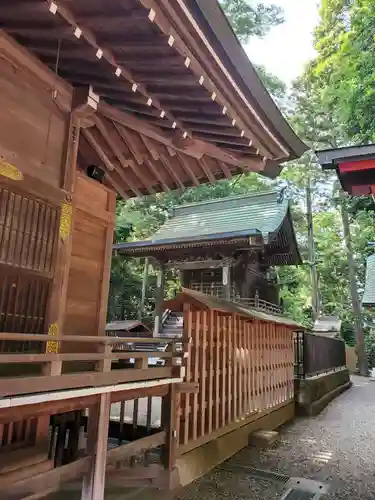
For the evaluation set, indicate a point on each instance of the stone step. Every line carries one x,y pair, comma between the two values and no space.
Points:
263,439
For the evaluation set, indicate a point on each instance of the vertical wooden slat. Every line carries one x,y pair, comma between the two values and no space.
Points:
196,347
266,364
203,374
14,199
231,358
247,367
240,368
235,368
224,361
94,482
187,399
273,367
211,333
258,361
217,369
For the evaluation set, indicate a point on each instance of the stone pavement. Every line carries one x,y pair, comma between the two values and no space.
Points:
337,446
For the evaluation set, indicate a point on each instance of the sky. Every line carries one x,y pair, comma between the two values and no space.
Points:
287,48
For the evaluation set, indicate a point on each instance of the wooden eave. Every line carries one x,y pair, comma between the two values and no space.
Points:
172,113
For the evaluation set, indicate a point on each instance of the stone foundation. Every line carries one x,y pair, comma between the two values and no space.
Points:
314,394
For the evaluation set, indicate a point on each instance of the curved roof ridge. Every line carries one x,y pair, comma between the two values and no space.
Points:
254,194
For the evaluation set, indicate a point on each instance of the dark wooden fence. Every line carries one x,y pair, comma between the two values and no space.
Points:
315,354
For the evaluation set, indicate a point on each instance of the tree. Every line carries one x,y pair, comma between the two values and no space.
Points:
345,65
249,18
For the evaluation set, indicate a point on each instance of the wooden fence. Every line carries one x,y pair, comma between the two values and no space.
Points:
243,366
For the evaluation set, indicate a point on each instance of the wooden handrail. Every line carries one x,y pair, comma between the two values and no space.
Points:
45,358
37,337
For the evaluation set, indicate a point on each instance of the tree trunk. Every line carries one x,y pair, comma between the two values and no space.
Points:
315,302
358,327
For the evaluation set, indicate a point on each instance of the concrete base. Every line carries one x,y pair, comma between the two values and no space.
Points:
263,439
199,461
314,394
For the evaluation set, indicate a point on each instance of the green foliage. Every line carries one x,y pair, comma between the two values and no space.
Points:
345,66
249,18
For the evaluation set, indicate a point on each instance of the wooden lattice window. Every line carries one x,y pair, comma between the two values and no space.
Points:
28,238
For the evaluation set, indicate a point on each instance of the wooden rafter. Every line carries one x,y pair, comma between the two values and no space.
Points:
207,170
184,160
156,173
195,148
171,171
107,54
109,166
127,138
181,47
225,169
110,138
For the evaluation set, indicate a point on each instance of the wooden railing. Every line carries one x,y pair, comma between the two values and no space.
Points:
55,373
260,304
243,367
252,302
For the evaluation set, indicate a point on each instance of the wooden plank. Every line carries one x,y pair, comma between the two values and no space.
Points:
235,368
168,423
211,333
47,480
136,447
27,385
230,370
187,338
196,347
246,367
91,339
203,374
217,370
224,361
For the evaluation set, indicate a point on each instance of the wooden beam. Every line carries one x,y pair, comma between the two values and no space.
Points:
26,385
154,169
171,171
116,186
184,160
195,148
135,447
108,55
225,169
128,139
46,480
207,170
94,482
109,136
110,167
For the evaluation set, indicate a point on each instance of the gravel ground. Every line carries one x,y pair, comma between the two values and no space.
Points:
337,446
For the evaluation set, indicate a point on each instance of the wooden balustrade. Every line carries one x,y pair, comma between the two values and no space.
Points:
243,366
56,375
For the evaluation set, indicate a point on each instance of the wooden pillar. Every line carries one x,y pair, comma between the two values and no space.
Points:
226,280
144,290
168,417
159,299
97,440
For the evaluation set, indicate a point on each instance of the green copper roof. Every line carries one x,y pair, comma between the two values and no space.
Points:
369,295
240,216
261,213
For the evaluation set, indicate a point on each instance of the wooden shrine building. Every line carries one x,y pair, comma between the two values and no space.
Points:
100,99
227,247
355,167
